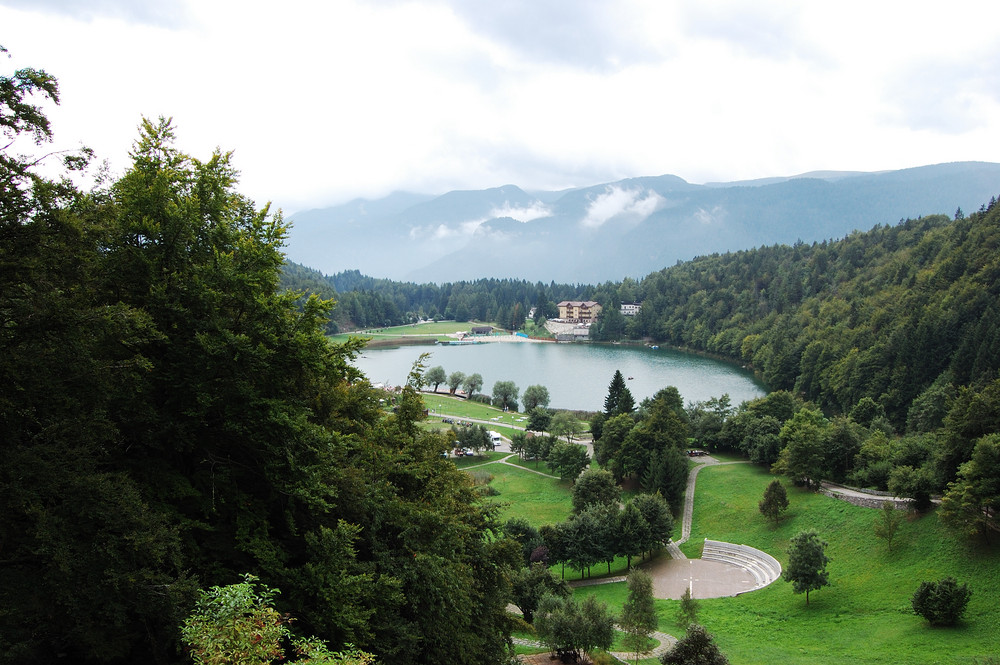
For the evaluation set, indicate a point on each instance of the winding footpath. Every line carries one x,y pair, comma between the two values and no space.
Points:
666,641
674,545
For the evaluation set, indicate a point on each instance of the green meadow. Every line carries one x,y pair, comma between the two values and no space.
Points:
863,617
435,329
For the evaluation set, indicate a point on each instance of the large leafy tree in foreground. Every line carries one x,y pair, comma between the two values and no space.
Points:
171,421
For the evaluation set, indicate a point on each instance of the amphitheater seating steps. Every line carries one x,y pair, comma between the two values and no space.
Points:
764,567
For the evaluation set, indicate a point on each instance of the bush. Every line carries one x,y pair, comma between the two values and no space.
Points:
941,603
238,625
696,646
480,477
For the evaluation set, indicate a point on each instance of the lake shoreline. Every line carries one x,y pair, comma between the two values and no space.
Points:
575,374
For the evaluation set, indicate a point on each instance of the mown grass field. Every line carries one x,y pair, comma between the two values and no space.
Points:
540,500
527,495
865,615
437,329
441,404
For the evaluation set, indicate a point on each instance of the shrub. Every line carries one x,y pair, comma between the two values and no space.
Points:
941,603
238,625
480,477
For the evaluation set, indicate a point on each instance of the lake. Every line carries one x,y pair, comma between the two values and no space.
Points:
576,375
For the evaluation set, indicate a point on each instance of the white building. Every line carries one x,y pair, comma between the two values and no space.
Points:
630,308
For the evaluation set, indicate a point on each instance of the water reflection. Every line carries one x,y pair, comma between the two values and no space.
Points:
576,375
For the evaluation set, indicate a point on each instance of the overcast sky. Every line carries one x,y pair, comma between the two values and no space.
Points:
323,102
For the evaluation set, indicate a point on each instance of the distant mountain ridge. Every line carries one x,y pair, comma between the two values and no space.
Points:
627,228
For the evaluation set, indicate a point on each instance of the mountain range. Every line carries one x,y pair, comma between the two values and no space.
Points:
627,228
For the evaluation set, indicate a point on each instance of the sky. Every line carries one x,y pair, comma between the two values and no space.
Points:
323,102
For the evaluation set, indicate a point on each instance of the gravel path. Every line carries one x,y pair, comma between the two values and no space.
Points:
689,503
666,643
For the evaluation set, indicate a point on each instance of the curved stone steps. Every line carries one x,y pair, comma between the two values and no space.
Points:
764,567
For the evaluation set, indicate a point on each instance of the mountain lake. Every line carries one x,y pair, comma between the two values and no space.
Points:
576,375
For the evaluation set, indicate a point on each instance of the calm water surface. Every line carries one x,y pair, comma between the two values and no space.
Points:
576,375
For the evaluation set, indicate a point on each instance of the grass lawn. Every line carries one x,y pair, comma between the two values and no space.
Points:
524,494
865,615
441,404
478,460
437,329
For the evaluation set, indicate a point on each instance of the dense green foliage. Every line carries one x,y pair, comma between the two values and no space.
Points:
695,648
942,603
775,501
619,400
887,523
238,625
595,487
647,445
573,628
603,531
531,584
172,420
367,302
807,561
879,314
687,609
638,618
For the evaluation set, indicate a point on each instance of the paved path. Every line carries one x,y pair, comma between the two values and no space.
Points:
516,466
676,574
666,643
689,501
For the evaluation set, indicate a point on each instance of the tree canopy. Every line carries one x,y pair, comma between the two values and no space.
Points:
807,560
173,420
535,396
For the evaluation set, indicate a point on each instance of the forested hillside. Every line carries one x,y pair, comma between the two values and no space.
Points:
366,302
884,347
882,314
611,230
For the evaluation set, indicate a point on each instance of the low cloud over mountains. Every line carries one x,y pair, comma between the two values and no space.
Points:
610,231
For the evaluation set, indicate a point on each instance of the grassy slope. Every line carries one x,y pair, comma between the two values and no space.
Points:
865,615
439,329
538,499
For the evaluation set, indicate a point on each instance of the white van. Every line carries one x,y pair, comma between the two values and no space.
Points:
495,438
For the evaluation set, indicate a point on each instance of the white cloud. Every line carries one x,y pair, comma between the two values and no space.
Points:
458,232
466,229
326,102
525,214
626,206
709,217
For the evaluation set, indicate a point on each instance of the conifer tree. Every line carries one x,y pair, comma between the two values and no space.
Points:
619,400
775,501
